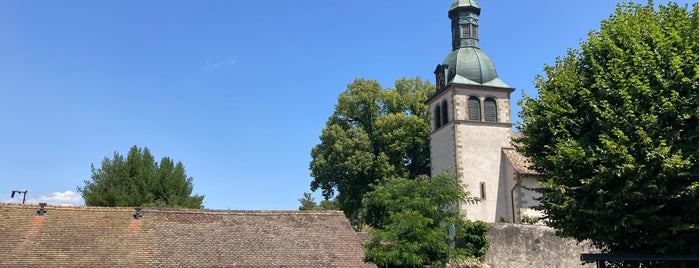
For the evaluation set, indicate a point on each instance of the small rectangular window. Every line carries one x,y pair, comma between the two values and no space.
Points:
482,190
465,31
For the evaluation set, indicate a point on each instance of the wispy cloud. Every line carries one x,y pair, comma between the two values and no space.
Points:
67,198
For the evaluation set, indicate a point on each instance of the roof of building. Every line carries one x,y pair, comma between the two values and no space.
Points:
467,63
471,66
519,162
464,4
110,237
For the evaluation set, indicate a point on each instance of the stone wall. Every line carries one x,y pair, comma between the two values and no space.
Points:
517,246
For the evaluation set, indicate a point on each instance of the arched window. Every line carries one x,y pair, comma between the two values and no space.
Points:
437,117
491,110
474,108
445,113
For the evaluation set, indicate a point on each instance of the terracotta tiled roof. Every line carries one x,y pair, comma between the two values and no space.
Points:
519,162
109,237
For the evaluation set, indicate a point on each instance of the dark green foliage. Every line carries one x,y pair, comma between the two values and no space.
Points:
615,133
413,228
472,238
139,181
309,203
410,239
374,133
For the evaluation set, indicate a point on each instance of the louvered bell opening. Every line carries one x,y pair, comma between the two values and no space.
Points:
491,110
437,118
474,109
445,113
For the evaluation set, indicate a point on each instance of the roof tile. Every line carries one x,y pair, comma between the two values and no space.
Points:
109,237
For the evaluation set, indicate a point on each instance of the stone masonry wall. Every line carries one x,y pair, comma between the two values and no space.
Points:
518,246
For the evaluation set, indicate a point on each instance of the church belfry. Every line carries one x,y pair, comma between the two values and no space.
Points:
470,117
464,24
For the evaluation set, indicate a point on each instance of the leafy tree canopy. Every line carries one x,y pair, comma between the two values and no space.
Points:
418,213
309,203
615,133
138,180
374,133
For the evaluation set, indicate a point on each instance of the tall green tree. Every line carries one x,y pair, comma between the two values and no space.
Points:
418,214
615,133
374,133
138,180
309,203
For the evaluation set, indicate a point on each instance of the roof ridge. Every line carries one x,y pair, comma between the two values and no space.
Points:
223,212
176,210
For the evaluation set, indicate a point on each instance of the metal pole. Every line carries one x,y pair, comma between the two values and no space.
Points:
24,195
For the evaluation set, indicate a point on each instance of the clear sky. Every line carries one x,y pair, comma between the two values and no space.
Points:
238,91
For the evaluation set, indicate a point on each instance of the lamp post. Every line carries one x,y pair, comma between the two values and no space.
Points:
23,192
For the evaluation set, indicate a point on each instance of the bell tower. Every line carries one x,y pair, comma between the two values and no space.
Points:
470,117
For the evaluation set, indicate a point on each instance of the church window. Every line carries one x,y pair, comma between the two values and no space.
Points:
491,110
474,108
445,113
468,31
465,31
482,190
437,117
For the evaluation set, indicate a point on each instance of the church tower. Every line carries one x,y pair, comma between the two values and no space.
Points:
470,118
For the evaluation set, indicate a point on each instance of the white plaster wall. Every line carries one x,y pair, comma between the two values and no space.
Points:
529,196
442,153
442,147
479,158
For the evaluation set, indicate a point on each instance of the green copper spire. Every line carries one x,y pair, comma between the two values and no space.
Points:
464,23
467,64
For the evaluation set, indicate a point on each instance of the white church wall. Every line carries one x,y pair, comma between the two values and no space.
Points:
479,156
442,146
529,198
442,153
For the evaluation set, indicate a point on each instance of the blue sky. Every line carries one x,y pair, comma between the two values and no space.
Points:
238,91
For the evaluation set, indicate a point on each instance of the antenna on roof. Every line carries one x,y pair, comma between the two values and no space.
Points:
42,209
23,192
